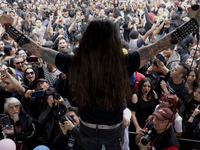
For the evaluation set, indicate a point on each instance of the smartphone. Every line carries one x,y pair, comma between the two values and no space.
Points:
6,122
160,57
32,59
38,93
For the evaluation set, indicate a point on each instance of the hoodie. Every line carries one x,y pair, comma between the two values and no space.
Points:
173,60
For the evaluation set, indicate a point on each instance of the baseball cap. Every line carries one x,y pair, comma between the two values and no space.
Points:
164,114
41,80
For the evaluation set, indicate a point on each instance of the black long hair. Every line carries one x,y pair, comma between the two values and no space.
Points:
196,81
26,82
98,75
140,85
7,50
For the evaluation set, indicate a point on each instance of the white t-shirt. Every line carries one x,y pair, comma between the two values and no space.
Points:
127,115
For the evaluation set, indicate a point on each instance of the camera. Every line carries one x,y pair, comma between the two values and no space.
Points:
56,96
148,136
161,58
63,119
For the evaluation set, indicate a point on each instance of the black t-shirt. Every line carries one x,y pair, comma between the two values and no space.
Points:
143,109
181,90
93,115
167,140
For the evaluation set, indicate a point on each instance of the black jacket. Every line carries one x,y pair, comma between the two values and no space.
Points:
49,118
26,127
62,142
167,139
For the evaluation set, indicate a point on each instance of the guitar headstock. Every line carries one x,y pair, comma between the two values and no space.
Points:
193,11
183,31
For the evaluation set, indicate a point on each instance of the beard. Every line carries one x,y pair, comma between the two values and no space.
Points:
16,118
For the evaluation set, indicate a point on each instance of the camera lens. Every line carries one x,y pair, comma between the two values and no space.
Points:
146,140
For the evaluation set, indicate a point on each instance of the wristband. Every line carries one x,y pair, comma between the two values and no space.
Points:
192,116
5,25
17,35
155,22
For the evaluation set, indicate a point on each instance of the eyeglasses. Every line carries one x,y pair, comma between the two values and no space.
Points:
31,73
19,62
159,121
163,100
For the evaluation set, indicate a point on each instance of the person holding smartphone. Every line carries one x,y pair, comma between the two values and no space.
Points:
22,127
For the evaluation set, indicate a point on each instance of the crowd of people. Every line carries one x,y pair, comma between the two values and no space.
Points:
67,87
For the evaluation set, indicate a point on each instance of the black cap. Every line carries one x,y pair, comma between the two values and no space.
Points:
41,80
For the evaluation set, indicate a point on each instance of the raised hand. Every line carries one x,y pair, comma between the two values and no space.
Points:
196,111
3,71
51,18
5,19
194,12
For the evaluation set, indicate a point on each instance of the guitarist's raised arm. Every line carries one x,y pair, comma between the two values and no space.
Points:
149,52
146,53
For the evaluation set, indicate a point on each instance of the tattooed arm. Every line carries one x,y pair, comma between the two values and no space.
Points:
149,52
46,54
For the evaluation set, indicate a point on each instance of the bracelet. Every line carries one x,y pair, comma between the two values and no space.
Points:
17,35
5,25
155,22
192,116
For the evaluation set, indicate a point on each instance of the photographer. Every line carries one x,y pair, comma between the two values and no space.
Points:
51,112
160,134
64,140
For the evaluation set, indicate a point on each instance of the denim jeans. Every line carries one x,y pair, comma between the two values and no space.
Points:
93,139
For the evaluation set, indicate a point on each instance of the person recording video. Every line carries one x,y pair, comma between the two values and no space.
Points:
159,134
64,140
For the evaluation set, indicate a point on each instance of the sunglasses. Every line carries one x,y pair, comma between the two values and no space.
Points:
19,62
31,73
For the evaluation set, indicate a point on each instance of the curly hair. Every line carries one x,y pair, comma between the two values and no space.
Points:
140,85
